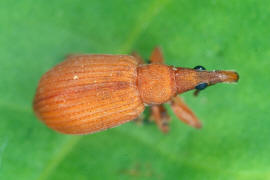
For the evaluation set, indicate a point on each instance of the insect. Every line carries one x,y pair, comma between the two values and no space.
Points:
90,93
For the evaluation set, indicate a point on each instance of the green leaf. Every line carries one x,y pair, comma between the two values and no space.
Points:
234,142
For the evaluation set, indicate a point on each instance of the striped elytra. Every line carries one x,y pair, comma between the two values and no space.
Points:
89,93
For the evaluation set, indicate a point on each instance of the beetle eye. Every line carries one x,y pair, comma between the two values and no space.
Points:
201,86
199,68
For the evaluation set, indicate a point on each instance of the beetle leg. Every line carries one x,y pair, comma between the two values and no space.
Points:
157,56
161,117
159,113
138,57
184,113
180,109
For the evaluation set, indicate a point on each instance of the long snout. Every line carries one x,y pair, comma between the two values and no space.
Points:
222,76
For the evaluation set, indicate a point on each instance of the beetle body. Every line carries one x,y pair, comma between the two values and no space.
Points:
89,93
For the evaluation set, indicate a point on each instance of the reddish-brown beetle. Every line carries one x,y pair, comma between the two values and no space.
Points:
89,93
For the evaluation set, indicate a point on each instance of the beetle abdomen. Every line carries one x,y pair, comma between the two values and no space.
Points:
89,93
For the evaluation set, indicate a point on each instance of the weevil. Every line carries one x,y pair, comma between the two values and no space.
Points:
90,93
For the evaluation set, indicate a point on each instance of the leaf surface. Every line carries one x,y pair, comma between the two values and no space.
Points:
234,142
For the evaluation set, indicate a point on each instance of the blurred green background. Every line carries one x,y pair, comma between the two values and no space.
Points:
234,142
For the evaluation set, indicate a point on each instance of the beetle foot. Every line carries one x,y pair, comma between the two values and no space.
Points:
160,116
